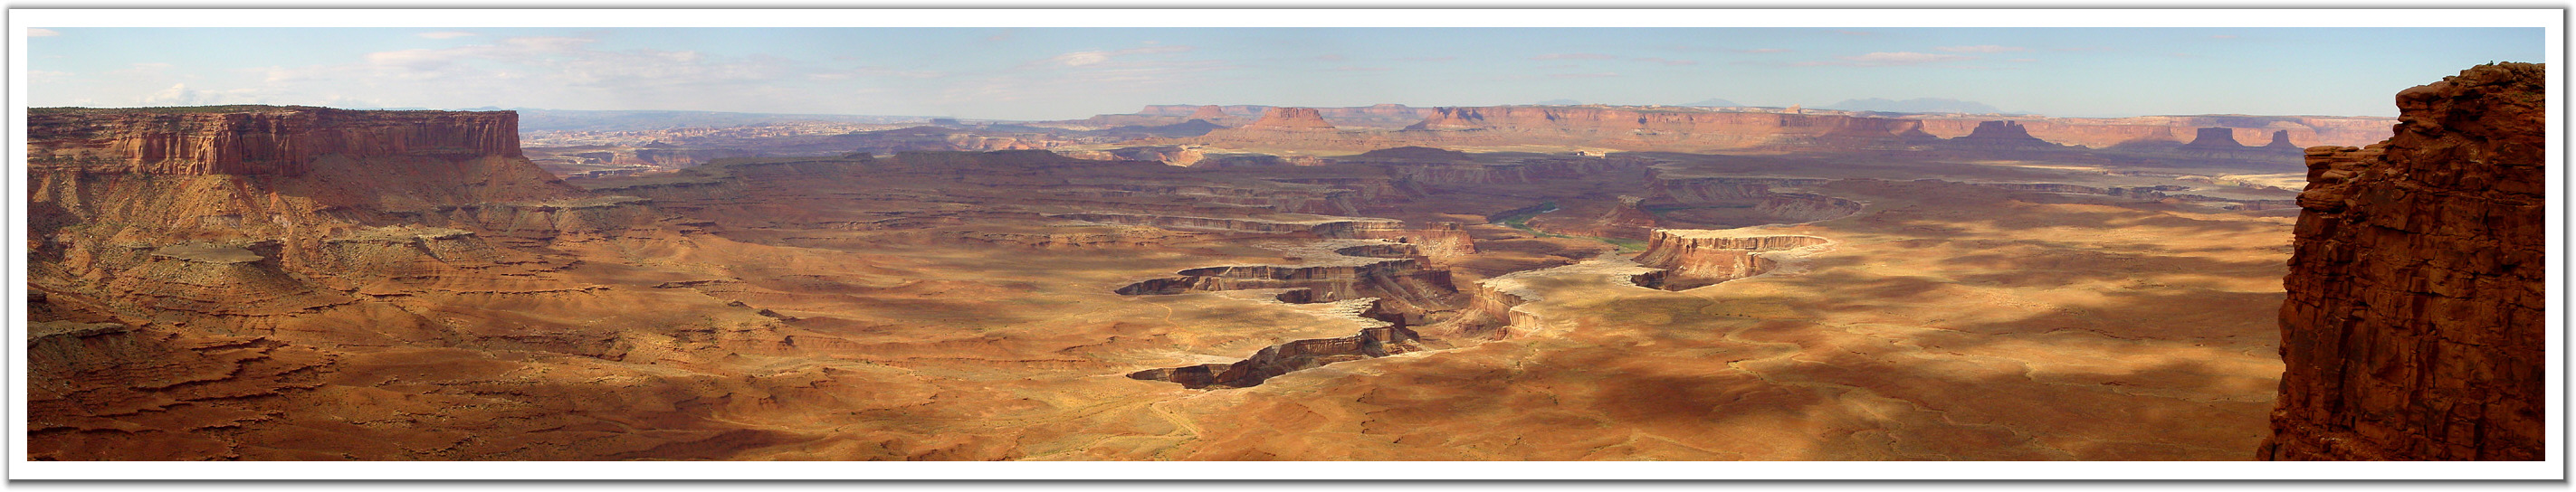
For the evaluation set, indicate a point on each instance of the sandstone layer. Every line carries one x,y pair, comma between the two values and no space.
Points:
254,139
2414,326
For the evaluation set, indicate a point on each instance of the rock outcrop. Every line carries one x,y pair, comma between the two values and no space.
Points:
1699,258
1656,129
2218,139
2000,135
255,140
2103,133
2281,142
2414,328
1290,119
1208,112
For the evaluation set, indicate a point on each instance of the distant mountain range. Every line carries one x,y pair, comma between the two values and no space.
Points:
1919,105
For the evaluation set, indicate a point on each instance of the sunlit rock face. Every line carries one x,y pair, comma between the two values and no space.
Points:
2414,326
269,140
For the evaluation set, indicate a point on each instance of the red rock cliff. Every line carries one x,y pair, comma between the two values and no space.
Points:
1631,128
2106,132
278,140
1291,119
2414,329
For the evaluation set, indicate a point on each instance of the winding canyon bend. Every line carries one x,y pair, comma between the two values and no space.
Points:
1376,283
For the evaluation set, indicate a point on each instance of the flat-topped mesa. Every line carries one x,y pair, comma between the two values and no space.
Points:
1210,113
271,140
1658,129
2214,138
1291,119
2281,142
1699,258
2414,327
2000,134
2168,130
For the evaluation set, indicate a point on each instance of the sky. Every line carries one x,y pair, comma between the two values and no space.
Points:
1070,73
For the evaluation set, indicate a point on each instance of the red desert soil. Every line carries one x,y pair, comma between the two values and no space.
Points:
1024,305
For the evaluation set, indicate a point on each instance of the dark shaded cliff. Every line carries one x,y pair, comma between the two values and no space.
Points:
2414,329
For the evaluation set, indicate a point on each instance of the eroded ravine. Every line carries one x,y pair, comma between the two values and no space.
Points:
1676,260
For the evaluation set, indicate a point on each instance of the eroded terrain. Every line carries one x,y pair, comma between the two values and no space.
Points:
447,300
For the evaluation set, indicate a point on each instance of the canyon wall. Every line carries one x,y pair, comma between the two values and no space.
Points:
2414,328
1379,115
1698,258
276,140
2107,132
1692,130
1650,129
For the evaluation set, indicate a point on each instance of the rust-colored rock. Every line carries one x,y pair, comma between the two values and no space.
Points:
255,139
1291,119
2108,132
1208,112
2413,329
1699,258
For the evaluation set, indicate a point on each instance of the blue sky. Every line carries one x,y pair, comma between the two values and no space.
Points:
1066,73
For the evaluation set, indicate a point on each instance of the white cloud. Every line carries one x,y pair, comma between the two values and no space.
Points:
1982,48
1762,50
2021,60
38,32
1665,61
181,95
1081,58
154,70
1581,75
2222,36
446,34
1887,58
1574,56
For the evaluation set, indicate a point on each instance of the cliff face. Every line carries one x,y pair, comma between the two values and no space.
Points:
259,140
263,170
2414,329
232,210
1699,258
2106,132
1691,130
1290,119
1656,129
1380,115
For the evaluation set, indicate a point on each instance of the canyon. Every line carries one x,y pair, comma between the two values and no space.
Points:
1247,283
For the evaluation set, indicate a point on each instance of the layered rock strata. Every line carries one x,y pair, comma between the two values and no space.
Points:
1699,258
2414,328
2103,133
254,140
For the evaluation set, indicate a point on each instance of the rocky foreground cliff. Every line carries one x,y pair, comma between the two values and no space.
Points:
2414,326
